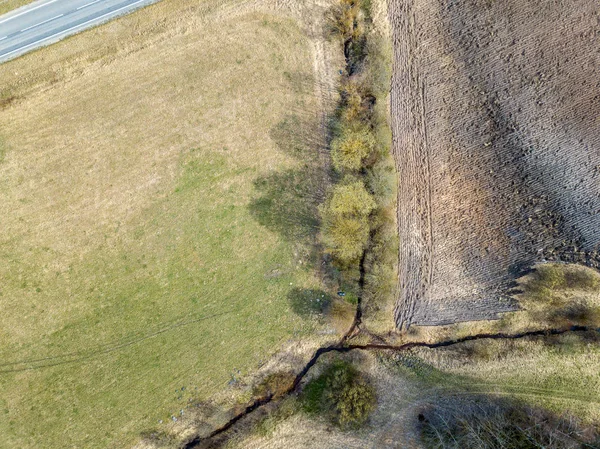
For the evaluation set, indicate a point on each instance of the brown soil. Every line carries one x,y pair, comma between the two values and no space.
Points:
495,114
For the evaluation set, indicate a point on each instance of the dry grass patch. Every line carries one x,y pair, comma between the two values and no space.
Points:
135,275
9,5
561,295
558,373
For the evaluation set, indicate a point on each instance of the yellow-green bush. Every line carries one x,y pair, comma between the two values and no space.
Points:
345,220
357,100
351,199
346,237
344,19
340,393
355,403
350,150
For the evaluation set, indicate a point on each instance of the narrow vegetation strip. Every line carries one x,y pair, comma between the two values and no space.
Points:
486,336
356,214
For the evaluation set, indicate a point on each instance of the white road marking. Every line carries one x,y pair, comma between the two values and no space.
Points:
70,29
29,10
87,4
41,23
2,38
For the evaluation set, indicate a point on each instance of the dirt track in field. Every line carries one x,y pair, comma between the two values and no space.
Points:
496,121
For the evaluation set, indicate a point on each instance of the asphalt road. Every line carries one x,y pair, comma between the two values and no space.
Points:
47,21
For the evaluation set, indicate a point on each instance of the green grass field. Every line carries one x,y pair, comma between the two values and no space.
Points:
142,258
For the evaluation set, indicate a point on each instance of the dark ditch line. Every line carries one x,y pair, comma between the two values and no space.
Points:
497,336
255,405
343,348
355,327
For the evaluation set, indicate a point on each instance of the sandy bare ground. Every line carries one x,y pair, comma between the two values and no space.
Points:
495,114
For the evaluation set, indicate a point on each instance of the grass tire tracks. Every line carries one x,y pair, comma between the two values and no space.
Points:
518,390
82,356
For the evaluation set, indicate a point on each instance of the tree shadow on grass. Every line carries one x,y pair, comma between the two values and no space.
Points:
287,201
308,302
298,136
454,412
